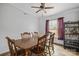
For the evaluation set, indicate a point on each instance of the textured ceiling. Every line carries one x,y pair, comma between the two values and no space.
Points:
58,7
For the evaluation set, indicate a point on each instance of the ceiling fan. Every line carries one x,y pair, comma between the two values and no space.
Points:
42,7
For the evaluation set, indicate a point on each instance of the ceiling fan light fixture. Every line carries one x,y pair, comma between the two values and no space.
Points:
42,7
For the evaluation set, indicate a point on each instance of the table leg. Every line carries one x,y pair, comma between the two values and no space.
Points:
27,51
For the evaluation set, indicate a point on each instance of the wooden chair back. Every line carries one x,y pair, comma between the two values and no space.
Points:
35,35
39,49
42,41
52,38
36,32
12,48
25,35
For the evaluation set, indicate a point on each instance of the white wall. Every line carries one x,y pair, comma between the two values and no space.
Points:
13,22
69,15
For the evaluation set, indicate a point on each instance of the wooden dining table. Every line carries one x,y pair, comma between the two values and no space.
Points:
26,44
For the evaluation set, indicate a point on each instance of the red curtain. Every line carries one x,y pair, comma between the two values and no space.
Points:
47,26
60,28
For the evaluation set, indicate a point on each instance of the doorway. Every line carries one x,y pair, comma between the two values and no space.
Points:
53,27
57,27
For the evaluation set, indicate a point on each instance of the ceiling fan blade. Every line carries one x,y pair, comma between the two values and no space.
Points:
38,10
49,7
44,11
35,7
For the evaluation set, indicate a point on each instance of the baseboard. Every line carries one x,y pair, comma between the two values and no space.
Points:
4,54
59,44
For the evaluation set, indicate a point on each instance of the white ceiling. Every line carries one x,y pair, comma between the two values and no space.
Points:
58,7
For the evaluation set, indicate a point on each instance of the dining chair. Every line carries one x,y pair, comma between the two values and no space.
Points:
25,35
14,51
50,44
39,49
35,35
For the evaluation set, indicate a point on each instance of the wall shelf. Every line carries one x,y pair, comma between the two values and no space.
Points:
71,34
